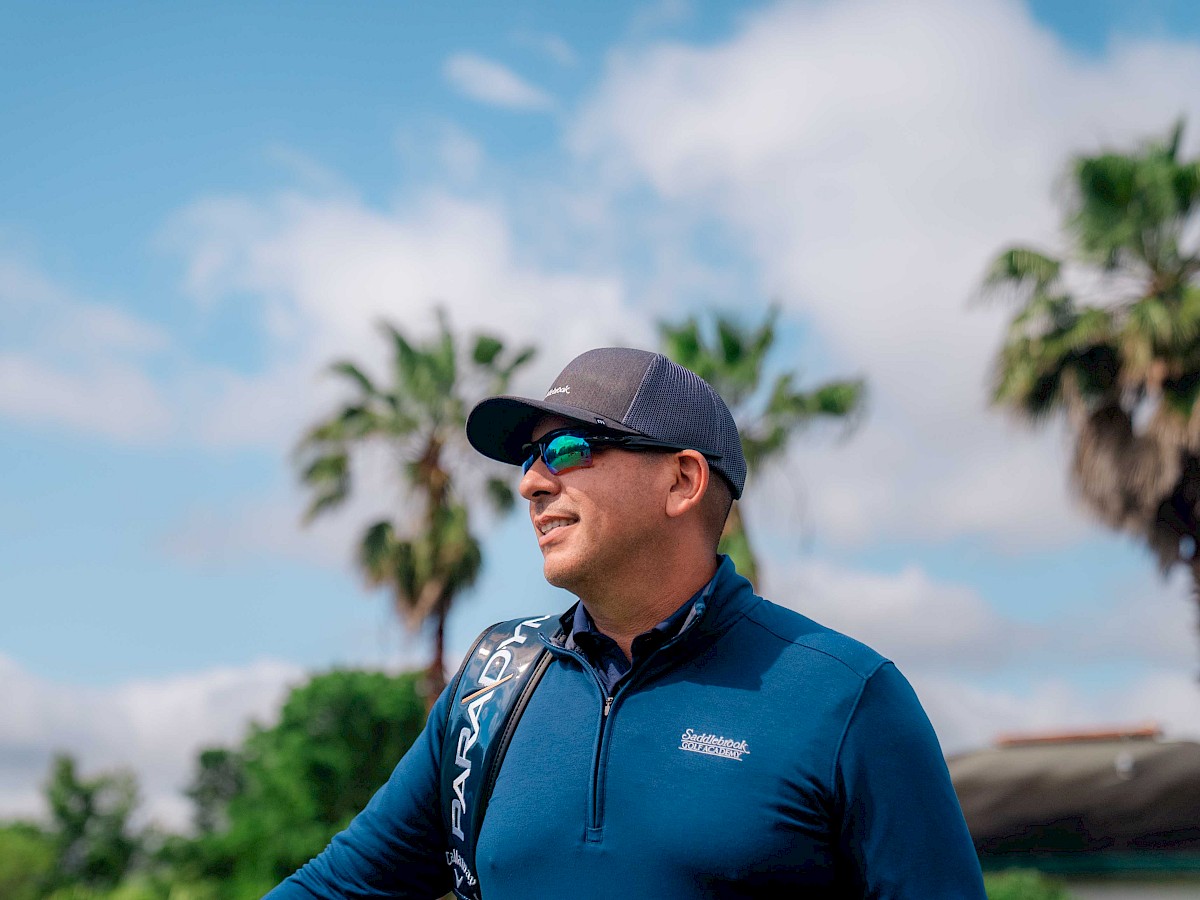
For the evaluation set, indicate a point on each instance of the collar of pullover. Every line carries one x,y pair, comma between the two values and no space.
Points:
726,596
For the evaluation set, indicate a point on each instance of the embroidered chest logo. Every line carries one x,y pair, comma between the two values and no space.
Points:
713,745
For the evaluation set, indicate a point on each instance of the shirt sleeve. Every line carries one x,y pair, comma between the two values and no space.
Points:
396,846
902,830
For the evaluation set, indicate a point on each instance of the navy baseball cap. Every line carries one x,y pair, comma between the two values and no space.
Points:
623,391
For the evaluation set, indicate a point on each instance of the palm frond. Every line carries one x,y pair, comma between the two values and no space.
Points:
1180,394
503,373
732,358
1174,140
763,442
681,342
1123,360
1106,186
486,349
1020,270
443,357
328,475
406,359
1187,186
355,375
377,553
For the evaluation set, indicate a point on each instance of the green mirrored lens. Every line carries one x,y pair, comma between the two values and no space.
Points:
567,451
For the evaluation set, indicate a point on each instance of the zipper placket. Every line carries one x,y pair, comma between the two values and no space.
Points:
594,824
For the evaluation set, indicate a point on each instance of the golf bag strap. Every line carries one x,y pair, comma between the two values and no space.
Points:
486,701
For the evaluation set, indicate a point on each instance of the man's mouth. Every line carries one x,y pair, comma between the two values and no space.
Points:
548,526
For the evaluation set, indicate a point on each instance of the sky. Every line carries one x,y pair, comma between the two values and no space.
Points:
201,211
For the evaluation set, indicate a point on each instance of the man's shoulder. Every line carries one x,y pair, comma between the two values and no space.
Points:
806,638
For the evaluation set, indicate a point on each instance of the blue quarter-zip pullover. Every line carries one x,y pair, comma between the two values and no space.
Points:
755,754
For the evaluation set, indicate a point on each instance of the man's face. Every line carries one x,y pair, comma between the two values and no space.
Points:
604,517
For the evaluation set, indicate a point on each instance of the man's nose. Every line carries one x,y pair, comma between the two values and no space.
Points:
537,481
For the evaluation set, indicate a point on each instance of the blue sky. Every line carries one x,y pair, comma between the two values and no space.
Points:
200,211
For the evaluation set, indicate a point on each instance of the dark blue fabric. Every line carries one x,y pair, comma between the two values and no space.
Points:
755,755
606,657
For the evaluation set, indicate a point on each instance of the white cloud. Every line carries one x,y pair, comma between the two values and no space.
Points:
873,156
75,363
552,46
326,270
461,155
659,15
967,717
980,477
494,84
322,271
1148,620
38,311
935,627
268,525
112,400
906,615
312,173
153,726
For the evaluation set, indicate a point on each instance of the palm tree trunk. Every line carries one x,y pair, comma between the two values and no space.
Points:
435,677
436,483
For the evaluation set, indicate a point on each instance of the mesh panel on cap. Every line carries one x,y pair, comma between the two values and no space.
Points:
675,405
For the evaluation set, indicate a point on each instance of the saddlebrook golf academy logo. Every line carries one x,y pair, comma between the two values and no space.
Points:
713,745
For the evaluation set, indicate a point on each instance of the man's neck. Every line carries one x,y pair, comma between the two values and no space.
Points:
624,614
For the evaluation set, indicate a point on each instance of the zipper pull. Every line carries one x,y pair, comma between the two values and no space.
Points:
607,705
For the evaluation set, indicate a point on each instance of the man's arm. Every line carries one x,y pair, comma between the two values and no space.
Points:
396,846
902,829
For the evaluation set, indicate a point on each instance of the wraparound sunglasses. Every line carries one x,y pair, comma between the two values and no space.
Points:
570,448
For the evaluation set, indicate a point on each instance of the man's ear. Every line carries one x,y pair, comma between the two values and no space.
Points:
690,482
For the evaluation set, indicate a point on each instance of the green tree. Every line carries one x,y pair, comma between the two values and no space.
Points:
26,861
296,784
420,414
731,357
220,776
1107,334
90,829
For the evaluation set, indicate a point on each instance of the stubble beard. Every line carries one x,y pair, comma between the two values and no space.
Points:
593,574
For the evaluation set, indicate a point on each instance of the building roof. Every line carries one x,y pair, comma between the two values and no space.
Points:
1098,791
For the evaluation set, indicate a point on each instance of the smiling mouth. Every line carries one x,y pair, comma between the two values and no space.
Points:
548,527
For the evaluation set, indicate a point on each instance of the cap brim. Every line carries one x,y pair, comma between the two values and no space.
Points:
499,427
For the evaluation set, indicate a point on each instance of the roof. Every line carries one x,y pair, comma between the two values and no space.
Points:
1093,792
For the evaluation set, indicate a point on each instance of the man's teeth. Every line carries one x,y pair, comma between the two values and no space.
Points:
550,526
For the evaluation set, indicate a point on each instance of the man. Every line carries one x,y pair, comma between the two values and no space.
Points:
688,738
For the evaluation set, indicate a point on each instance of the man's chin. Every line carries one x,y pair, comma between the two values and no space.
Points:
555,576
561,573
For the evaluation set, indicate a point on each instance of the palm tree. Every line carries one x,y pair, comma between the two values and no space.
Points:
420,414
1108,335
731,360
